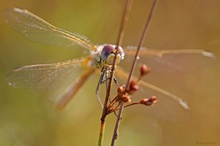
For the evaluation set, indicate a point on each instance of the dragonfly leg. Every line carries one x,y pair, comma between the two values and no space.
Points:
101,81
116,81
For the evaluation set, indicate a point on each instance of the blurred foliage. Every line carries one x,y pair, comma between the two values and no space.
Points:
29,119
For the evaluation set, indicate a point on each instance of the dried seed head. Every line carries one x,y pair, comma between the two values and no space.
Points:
133,87
132,83
144,70
153,98
126,99
120,89
149,101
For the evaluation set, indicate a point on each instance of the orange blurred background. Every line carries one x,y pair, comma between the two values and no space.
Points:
28,119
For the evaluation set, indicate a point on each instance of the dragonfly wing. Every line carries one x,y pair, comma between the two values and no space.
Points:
173,60
171,68
38,30
168,107
45,75
73,89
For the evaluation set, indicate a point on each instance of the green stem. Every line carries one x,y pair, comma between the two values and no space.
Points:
101,133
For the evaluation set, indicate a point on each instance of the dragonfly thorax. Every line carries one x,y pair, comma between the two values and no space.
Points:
106,54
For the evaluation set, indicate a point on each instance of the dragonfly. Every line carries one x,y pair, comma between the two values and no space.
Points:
100,59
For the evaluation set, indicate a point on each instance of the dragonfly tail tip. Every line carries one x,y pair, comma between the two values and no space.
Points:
208,54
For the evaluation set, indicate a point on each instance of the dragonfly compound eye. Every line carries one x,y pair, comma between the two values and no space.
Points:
108,54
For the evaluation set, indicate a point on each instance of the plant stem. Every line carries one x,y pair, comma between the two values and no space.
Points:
115,134
119,40
101,133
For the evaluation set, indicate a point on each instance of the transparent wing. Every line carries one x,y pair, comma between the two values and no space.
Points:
45,75
38,30
170,70
168,107
172,60
171,66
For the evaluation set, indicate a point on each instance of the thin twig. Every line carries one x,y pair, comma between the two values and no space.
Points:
141,40
132,70
101,134
125,17
115,134
119,40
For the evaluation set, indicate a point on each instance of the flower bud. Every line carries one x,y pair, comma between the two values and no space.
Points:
144,70
133,87
149,101
126,99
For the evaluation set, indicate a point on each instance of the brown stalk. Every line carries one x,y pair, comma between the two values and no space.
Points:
119,40
115,134
109,83
124,21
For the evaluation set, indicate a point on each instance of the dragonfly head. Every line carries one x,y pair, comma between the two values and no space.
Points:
108,53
